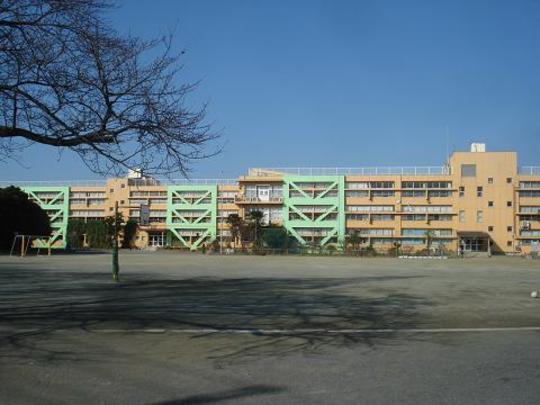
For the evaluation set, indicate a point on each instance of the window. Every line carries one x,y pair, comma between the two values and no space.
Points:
424,232
413,193
381,184
374,231
426,184
529,193
356,193
358,217
413,217
382,193
535,234
509,228
439,193
468,170
439,217
509,243
479,216
490,180
490,203
382,217
86,213
529,184
509,203
531,209
122,185
432,209
369,208
110,208
509,180
490,228
462,191
357,185
122,202
111,190
479,191
461,216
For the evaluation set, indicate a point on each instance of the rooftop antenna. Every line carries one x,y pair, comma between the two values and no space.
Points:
447,149
447,152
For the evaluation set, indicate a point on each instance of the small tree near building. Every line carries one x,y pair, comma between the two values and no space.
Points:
257,217
130,230
235,224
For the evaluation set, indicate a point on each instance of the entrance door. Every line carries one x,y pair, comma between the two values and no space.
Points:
474,244
263,193
156,239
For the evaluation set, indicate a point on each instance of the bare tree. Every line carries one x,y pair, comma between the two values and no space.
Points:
69,80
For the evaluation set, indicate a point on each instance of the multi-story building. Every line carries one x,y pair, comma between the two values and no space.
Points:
477,201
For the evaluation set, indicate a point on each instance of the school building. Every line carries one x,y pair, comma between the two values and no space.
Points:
478,201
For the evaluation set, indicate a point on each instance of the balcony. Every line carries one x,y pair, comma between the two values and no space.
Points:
242,199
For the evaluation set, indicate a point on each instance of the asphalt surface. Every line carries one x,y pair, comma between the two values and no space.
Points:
68,334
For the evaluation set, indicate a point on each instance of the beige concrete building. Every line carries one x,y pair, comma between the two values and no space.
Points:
478,201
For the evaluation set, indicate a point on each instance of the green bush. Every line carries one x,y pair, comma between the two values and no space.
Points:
277,238
97,235
368,251
75,233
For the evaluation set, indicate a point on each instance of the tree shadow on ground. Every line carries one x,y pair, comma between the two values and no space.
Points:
249,391
45,301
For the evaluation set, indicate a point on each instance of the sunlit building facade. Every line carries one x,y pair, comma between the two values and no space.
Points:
478,201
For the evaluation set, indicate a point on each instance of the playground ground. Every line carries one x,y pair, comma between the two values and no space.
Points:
191,328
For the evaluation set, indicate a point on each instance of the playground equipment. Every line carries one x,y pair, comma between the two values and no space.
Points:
35,241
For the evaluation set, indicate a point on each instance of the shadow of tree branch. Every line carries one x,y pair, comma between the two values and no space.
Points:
46,301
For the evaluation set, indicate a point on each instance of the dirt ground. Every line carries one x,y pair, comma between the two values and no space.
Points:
190,328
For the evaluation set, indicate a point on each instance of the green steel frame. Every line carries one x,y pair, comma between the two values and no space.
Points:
55,202
333,204
178,205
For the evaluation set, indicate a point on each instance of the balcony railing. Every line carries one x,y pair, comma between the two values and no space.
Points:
256,200
529,170
362,171
53,183
103,183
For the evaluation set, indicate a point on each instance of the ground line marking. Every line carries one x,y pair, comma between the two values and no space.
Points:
300,331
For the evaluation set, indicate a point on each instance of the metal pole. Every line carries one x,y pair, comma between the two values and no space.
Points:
221,236
115,265
13,245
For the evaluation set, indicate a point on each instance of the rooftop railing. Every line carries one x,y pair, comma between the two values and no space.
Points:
53,183
198,181
344,171
103,183
529,170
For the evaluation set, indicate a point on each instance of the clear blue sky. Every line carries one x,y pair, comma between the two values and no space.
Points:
344,83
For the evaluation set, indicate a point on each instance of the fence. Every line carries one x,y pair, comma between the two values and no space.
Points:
347,171
529,170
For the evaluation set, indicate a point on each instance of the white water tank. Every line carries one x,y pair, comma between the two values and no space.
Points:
134,174
478,147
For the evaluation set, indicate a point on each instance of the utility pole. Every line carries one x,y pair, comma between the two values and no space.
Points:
221,230
115,264
221,236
